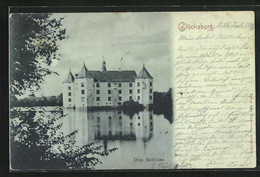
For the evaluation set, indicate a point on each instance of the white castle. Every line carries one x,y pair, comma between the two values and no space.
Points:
107,88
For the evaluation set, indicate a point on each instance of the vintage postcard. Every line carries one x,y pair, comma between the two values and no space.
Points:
142,90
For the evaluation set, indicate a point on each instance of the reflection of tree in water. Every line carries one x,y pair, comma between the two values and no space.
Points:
36,143
163,104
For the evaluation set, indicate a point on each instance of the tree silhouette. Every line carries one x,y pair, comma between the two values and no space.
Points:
33,47
37,142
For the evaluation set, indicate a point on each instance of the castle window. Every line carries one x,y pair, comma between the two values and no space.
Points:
120,117
138,84
119,91
138,97
109,98
119,103
82,91
82,84
138,124
98,91
130,85
138,117
151,90
138,90
69,93
82,99
98,98
131,124
130,98
120,98
69,99
97,85
151,84
109,91
109,84
151,98
130,91
119,84
69,87
109,117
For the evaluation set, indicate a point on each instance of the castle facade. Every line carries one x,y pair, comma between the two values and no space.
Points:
107,88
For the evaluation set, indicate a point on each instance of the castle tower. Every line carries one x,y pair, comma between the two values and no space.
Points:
144,87
84,88
68,92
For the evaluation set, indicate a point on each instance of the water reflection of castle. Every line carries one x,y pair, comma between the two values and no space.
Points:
108,126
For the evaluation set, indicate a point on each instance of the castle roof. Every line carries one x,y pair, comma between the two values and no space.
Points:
113,76
107,76
144,74
83,72
70,78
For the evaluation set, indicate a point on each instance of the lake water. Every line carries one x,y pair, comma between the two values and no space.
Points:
143,139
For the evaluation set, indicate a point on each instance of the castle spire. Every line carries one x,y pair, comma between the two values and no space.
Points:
144,74
103,65
83,72
70,78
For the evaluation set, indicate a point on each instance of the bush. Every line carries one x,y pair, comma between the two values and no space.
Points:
36,143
